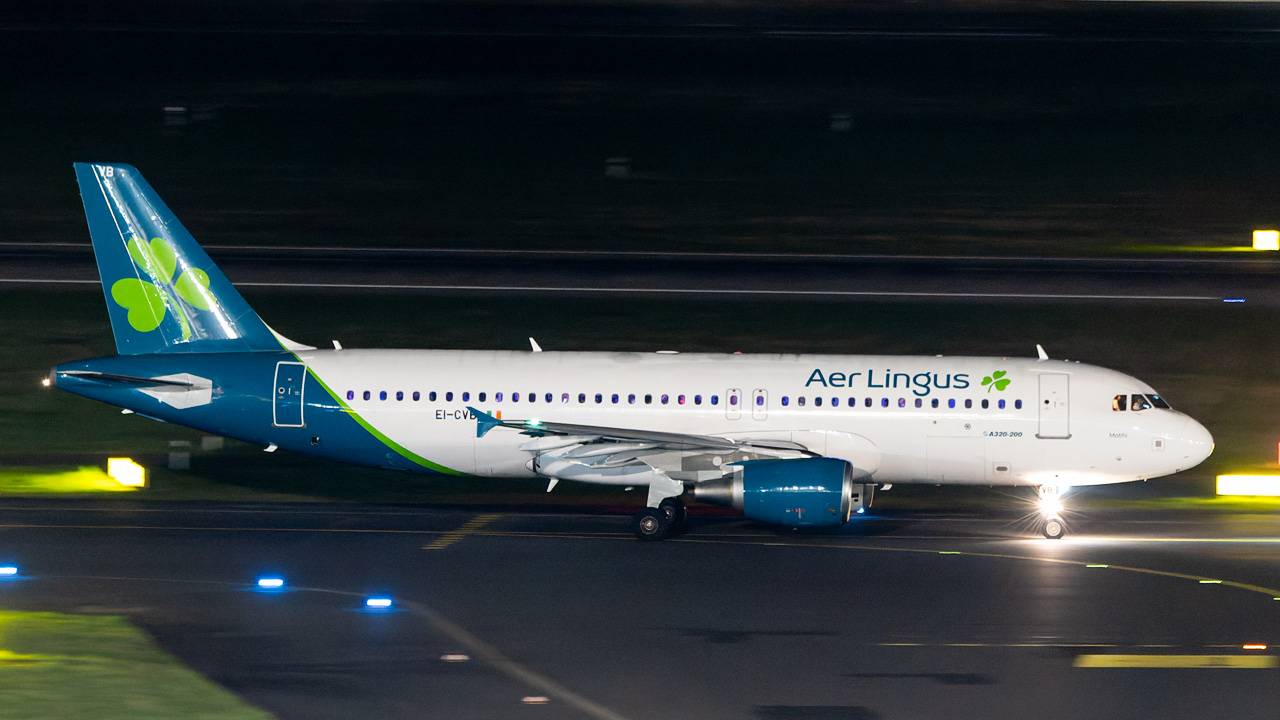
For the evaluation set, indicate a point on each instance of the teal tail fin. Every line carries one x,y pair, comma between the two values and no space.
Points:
163,292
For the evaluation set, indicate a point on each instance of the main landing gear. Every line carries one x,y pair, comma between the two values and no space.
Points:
1052,525
657,523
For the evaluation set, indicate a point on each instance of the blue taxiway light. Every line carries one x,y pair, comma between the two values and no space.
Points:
8,571
378,603
1233,300
270,583
861,510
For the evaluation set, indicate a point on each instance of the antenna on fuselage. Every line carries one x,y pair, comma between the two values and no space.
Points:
1040,353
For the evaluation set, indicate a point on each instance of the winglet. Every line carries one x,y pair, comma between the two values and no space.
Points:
484,422
1040,353
535,345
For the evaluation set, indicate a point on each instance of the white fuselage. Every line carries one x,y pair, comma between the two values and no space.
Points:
894,418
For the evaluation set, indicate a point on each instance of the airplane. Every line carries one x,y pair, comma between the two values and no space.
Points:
789,439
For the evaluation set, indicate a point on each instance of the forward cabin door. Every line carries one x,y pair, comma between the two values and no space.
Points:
1054,406
287,409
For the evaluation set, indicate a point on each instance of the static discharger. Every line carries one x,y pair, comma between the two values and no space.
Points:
127,472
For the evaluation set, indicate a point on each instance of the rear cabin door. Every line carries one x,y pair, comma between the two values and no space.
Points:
287,410
1054,406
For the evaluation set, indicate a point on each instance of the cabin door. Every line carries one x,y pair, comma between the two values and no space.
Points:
1054,406
287,409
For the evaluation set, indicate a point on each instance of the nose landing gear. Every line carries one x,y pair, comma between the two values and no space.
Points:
1052,525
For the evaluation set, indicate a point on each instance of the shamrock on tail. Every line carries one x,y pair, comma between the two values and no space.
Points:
147,302
996,380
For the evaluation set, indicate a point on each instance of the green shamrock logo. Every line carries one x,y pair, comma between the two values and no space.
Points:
147,302
996,380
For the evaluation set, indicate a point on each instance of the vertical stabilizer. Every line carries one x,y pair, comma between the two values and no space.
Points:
163,292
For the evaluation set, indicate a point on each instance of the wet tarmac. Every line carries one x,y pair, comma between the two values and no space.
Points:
898,615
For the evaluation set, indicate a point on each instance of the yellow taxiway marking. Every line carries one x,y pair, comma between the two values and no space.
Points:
470,527
1242,662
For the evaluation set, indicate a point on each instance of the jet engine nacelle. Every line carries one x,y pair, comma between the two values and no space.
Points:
803,492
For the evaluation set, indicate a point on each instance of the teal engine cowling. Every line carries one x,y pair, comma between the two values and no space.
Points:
802,492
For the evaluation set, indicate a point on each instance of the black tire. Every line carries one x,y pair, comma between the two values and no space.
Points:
675,511
1054,528
650,524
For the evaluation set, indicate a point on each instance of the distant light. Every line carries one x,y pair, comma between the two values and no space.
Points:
535,700
1254,646
46,382
1249,485
270,583
127,472
861,510
378,603
534,423
1097,566
455,657
1266,239
1233,300
8,571
1210,582
948,552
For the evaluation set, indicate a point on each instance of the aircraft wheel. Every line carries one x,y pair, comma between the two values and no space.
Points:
650,524
1054,528
675,511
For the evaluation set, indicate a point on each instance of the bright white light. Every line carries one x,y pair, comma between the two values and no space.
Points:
535,700
1050,506
46,382
1254,646
270,583
1266,240
8,571
127,472
455,657
1249,485
379,603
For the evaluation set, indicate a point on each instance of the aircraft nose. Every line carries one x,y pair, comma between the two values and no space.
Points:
1197,444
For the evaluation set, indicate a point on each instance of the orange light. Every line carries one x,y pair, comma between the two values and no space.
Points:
1256,646
1266,240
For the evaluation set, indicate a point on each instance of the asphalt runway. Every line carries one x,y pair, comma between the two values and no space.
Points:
926,615
1254,279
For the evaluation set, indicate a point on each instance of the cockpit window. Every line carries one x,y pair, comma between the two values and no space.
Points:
1140,402
1159,402
1120,403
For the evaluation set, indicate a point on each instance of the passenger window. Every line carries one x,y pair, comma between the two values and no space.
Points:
759,401
800,401
382,395
835,402
933,403
515,397
564,398
680,399
884,402
867,402
481,398
366,395
448,397
951,403
599,398
614,398
853,402
902,402
985,404
631,399
1159,402
1017,404
466,396
431,396
919,402
1120,403
1000,404
497,397
733,400
1138,402
399,395
665,399
648,399
582,398
416,396
785,401
549,397
715,399
817,402
697,399
351,394
968,404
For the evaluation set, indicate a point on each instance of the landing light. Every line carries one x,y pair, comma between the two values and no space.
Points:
1254,646
8,571
270,583
46,382
378,603
127,472
1249,485
1050,506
